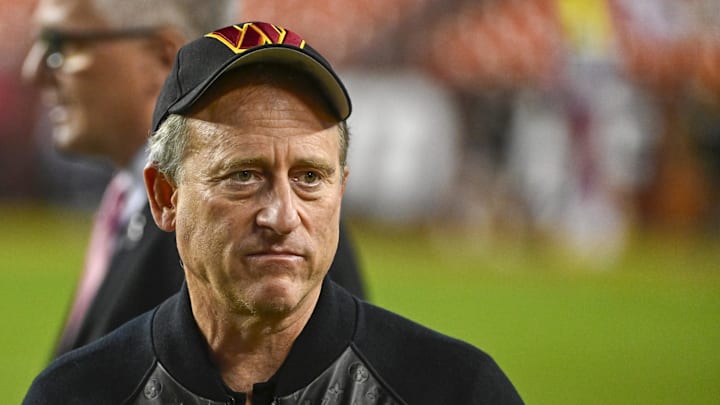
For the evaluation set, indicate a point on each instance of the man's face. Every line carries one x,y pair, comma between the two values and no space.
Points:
258,200
97,97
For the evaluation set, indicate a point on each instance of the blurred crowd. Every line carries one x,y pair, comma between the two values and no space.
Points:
578,119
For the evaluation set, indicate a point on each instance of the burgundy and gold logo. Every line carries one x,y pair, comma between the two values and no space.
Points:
250,35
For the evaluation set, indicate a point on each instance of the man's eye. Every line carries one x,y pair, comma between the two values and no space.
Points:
309,177
244,176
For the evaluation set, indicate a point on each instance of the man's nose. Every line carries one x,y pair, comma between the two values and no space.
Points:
33,68
280,212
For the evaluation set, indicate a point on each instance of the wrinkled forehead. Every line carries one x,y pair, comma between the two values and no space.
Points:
75,15
262,110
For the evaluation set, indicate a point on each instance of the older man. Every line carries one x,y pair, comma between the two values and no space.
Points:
101,65
248,168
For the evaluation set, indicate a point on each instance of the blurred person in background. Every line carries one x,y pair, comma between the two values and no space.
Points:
100,65
248,165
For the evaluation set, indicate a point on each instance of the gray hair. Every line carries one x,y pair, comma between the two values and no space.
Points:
191,17
167,146
169,143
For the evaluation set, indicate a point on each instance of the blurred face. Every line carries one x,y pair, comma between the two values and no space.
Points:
99,91
258,199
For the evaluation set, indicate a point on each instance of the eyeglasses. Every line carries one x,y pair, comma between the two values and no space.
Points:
56,40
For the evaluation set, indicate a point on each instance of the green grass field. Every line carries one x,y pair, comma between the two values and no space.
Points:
642,330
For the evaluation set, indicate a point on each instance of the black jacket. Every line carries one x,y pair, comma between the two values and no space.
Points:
145,270
350,352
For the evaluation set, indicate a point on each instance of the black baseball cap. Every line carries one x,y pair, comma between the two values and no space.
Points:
201,62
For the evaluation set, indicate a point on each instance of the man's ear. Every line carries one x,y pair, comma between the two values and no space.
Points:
345,174
166,42
161,193
161,49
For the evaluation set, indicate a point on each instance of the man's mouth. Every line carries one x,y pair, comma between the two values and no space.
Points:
275,253
58,114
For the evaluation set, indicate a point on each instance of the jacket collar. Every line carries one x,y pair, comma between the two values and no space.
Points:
181,347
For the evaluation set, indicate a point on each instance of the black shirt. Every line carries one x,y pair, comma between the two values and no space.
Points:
350,352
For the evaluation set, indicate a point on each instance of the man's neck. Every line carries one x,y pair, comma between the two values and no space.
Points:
246,348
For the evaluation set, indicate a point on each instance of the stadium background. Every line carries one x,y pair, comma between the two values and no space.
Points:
539,177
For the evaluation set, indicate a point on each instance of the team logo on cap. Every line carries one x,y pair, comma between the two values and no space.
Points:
250,35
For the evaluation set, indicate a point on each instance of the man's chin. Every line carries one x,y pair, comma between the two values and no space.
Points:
68,141
276,299
62,138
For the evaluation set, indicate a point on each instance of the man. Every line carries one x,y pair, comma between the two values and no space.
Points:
101,64
247,166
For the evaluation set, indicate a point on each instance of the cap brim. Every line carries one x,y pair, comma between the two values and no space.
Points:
332,85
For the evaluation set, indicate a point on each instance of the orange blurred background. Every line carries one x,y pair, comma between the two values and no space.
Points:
563,117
